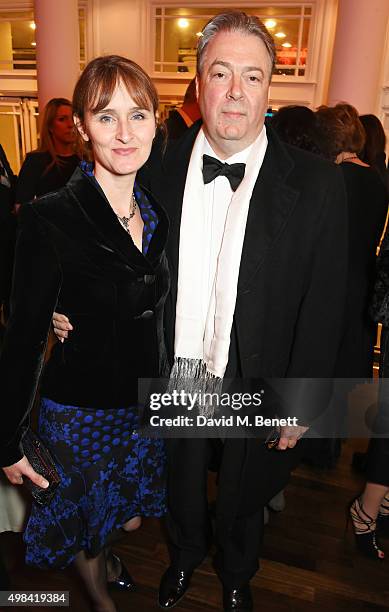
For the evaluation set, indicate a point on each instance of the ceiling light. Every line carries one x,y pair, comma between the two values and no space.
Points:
33,26
270,23
33,44
199,34
280,35
183,23
286,44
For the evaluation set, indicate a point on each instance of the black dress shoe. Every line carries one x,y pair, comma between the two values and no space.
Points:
174,584
237,600
123,582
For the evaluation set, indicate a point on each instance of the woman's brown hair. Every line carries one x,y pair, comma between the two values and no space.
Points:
340,129
98,81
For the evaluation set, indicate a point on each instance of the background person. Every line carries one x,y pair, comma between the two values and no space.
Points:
343,139
7,232
370,511
297,126
53,163
373,152
367,200
180,119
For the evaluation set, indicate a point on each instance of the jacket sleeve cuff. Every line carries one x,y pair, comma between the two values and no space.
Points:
12,454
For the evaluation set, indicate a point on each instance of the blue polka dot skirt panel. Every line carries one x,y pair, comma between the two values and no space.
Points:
109,474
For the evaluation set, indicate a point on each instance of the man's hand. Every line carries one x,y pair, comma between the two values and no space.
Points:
61,325
289,436
22,468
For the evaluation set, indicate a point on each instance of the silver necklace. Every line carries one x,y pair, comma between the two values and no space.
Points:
125,221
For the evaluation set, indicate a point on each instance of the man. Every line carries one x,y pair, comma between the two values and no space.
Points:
257,290
285,291
181,119
7,227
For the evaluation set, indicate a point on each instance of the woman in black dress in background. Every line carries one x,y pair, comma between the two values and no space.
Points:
375,496
344,138
93,250
50,167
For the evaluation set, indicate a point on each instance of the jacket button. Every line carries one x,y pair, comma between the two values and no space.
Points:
149,279
147,314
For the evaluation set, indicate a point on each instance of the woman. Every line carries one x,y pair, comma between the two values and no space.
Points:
344,138
93,249
374,499
53,163
296,125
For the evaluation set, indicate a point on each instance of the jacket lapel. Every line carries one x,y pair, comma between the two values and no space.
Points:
103,222
271,204
169,184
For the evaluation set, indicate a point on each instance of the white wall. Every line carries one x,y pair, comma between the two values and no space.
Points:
119,28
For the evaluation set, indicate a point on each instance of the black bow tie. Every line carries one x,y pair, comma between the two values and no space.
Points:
212,168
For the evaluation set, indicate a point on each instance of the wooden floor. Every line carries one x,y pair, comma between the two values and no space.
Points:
307,563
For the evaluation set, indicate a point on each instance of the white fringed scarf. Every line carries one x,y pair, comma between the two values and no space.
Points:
203,323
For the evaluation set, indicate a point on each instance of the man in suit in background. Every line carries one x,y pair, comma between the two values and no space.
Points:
181,119
257,254
7,227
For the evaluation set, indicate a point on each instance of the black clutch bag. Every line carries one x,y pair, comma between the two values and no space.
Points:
43,463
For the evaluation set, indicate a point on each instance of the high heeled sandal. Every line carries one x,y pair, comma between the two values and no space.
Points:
123,582
383,517
365,534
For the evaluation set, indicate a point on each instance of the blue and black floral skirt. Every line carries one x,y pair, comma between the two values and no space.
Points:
109,474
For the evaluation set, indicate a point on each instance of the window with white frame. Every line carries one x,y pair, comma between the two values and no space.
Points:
18,45
176,31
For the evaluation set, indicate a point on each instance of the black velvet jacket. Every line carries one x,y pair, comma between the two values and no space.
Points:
73,256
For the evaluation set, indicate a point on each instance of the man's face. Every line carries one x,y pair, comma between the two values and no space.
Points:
233,91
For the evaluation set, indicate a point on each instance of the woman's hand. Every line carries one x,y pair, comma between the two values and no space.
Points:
61,325
22,468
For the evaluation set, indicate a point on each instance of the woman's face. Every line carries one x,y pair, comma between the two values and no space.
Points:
62,128
121,134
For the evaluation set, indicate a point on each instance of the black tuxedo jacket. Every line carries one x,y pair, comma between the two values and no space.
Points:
73,256
7,194
292,283
175,125
292,280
